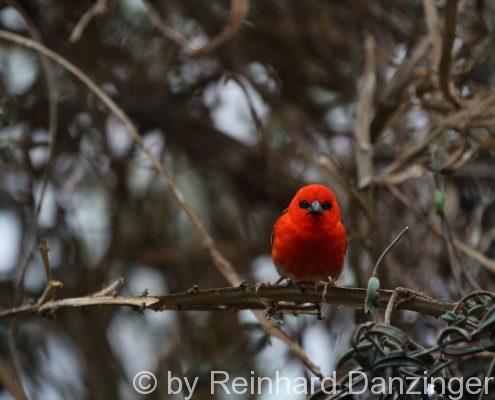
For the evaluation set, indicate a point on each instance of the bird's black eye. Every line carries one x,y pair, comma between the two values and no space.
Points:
326,205
303,204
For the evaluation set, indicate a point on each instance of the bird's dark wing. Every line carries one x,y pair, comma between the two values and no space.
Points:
272,238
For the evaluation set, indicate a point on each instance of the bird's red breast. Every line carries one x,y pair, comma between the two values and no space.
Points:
309,239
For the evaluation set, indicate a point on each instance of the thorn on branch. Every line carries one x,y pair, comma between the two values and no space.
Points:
193,289
111,288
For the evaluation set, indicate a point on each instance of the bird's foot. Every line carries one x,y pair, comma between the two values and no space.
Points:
328,284
280,282
242,285
302,285
261,285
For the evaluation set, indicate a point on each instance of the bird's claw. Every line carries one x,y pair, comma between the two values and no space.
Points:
329,283
261,285
288,282
242,285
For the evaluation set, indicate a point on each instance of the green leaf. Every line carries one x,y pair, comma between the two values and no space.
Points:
476,309
391,332
439,197
438,367
395,361
489,320
391,344
349,354
372,295
449,316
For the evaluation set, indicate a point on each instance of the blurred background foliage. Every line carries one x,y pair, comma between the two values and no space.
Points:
281,103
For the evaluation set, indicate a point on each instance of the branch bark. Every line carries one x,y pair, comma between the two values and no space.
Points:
290,299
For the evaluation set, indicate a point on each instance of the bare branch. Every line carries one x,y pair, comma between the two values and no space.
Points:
240,298
9,382
460,120
466,249
445,61
109,289
389,102
50,290
97,9
388,248
43,247
238,12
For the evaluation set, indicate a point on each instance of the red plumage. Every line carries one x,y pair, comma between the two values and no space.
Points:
309,239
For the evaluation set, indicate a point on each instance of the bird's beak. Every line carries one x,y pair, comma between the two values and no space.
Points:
315,208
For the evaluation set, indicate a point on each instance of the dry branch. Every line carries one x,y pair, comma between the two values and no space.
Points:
446,59
463,247
241,298
461,119
99,8
238,12
389,102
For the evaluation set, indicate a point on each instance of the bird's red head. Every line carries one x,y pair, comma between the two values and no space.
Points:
314,204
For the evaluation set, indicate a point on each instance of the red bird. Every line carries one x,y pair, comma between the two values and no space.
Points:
309,240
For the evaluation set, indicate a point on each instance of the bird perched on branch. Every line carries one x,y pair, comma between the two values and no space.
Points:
309,240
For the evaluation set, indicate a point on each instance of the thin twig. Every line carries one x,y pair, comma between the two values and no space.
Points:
467,250
460,119
399,296
447,43
387,249
44,249
50,290
390,307
435,34
9,382
97,9
388,104
51,83
109,289
455,257
238,12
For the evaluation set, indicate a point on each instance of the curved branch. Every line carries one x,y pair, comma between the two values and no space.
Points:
238,12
